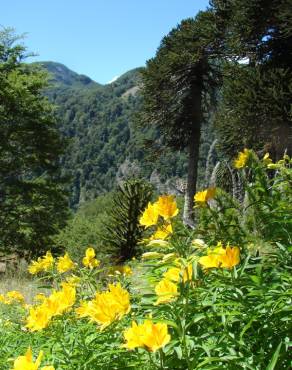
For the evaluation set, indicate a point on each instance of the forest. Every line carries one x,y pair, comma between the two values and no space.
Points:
146,223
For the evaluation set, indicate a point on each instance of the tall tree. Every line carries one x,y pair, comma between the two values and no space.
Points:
32,201
178,84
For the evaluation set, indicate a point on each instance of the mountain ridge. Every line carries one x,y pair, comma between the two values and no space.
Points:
105,143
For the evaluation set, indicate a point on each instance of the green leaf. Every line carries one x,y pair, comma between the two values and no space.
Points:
274,359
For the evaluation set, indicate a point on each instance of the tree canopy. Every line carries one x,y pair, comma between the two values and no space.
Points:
255,109
32,202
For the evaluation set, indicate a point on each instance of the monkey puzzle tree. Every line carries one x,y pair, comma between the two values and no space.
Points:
178,85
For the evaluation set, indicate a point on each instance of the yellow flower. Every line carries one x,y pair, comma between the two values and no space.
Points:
231,257
221,257
172,274
147,335
39,318
26,362
61,301
156,336
89,260
242,159
166,291
107,306
149,216
202,197
166,206
134,336
47,261
35,267
209,261
102,310
127,271
176,274
121,298
162,232
65,263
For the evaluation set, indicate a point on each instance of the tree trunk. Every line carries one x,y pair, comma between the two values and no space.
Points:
194,147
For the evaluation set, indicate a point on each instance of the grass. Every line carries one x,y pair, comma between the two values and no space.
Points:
17,278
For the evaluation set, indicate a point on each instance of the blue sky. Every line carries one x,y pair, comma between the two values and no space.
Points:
99,38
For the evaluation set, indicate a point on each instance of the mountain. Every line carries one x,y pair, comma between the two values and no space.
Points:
105,145
61,75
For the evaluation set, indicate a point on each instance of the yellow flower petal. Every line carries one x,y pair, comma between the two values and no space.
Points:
166,206
149,216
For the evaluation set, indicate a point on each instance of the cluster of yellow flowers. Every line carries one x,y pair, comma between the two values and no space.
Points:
147,335
63,264
56,304
42,264
12,296
243,158
221,257
26,362
182,271
165,207
107,306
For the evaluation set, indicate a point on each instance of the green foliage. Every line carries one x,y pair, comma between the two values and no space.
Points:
123,232
255,110
32,202
99,121
256,99
86,228
234,317
258,29
263,217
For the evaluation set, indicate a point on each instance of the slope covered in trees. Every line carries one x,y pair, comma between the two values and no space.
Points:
105,143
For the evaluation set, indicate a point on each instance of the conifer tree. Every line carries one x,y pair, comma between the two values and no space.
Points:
178,84
32,201
256,97
123,231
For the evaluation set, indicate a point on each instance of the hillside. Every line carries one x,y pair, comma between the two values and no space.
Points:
61,75
104,143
